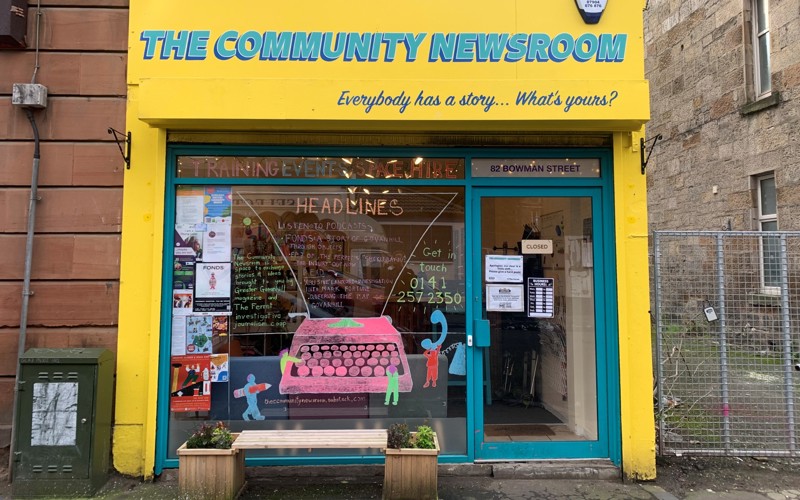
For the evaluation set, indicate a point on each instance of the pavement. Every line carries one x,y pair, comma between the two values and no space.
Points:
537,480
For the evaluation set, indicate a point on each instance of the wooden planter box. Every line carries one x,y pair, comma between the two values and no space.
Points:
411,473
210,474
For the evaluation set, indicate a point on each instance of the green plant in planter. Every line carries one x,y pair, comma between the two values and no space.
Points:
424,438
211,436
398,436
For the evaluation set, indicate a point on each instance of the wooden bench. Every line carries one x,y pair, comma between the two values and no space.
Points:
311,439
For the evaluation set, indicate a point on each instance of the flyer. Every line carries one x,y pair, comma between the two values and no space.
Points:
503,269
198,335
189,206
219,368
212,288
189,241
218,204
182,302
183,272
217,243
505,298
190,383
219,326
178,335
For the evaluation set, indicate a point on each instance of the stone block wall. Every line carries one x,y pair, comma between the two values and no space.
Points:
697,65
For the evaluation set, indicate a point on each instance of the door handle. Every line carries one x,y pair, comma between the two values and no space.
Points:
482,335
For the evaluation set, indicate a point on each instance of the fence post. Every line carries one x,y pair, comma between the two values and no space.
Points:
659,367
787,345
723,345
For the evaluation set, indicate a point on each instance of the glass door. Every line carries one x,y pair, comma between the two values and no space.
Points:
539,324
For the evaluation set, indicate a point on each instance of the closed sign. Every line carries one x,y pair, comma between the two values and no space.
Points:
537,247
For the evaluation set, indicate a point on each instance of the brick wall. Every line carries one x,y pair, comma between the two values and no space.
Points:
696,62
75,277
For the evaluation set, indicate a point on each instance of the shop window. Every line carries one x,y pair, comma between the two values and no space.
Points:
767,210
307,305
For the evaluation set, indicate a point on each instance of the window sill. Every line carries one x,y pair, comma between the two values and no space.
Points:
761,104
764,299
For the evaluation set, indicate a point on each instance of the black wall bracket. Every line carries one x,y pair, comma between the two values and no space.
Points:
121,139
643,147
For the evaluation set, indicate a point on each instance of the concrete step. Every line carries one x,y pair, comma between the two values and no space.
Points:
544,469
557,469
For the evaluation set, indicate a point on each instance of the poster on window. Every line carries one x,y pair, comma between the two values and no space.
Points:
503,268
190,383
218,205
183,272
189,206
217,243
540,297
189,241
178,347
505,298
212,288
220,367
182,302
198,334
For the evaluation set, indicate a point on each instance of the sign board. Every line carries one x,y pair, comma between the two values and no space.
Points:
540,297
541,247
505,298
504,268
536,167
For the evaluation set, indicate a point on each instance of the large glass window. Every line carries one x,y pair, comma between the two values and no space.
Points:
318,307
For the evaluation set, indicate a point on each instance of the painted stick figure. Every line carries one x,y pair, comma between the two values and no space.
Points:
432,363
212,282
392,387
432,350
250,391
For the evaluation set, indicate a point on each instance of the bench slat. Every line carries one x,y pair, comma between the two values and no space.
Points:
307,439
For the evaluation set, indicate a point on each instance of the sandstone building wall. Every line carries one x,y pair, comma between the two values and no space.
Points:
702,99
75,277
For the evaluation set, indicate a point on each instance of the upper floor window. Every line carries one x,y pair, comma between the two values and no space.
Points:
762,75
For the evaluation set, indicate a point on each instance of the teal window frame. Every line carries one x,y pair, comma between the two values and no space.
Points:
604,183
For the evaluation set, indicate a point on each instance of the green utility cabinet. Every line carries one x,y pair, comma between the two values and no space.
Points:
63,437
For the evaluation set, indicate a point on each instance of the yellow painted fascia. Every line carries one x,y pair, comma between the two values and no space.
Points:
265,104
364,16
635,362
140,299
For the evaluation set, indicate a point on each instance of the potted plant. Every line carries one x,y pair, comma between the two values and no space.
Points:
411,468
208,467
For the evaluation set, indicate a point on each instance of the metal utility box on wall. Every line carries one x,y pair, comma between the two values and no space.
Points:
13,24
63,438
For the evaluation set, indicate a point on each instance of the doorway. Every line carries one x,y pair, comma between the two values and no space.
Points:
539,327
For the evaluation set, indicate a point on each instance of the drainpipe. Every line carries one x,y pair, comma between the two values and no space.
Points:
29,97
26,287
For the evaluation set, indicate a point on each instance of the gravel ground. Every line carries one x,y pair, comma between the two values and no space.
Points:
684,475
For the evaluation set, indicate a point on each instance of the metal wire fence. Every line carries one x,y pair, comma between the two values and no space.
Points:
727,353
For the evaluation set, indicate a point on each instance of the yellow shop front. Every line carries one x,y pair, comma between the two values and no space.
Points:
347,217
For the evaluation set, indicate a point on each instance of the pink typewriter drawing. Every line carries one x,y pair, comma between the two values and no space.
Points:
343,355
346,355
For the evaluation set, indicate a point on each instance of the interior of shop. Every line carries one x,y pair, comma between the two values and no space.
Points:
541,363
